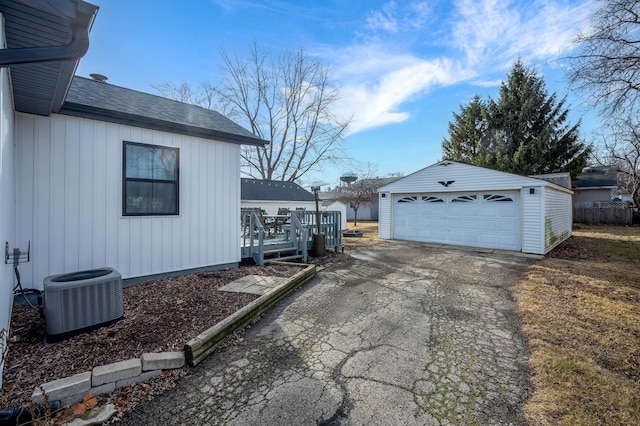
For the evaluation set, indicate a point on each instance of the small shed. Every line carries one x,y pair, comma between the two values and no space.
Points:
460,204
272,195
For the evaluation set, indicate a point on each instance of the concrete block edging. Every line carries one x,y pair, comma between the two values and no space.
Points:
105,379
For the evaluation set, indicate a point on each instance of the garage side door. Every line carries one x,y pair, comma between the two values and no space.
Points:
490,220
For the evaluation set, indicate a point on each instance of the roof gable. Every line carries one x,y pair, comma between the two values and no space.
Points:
106,102
272,190
449,176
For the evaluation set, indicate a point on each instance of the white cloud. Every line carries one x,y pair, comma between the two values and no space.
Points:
394,17
498,31
375,86
385,72
486,83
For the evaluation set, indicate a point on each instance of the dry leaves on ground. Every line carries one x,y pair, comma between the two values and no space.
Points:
159,315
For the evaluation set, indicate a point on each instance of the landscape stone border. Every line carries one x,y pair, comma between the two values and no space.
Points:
200,347
107,378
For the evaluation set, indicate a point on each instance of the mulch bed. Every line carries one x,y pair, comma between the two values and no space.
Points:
159,316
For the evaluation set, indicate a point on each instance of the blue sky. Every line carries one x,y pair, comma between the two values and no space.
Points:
403,66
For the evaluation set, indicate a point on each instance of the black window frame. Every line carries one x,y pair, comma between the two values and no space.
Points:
175,182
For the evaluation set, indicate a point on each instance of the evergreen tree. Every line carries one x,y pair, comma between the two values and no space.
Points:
466,132
525,131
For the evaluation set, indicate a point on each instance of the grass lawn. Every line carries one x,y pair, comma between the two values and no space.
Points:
580,311
369,237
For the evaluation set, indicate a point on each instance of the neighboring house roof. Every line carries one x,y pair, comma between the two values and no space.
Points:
44,42
597,177
273,190
106,102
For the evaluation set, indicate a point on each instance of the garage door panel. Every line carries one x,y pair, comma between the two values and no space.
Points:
489,239
433,235
488,225
477,219
454,236
509,211
507,226
470,224
471,238
509,241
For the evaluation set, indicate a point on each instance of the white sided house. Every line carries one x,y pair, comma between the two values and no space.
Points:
460,204
93,175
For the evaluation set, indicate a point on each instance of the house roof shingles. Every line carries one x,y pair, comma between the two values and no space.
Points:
104,101
272,190
597,177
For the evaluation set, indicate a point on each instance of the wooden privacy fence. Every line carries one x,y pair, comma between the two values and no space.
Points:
606,212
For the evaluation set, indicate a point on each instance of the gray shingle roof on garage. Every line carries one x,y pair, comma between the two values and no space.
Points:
272,190
106,102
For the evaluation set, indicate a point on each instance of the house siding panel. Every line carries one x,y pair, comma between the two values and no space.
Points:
7,195
532,225
75,194
384,222
558,218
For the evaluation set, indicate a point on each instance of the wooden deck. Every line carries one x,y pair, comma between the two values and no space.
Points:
286,237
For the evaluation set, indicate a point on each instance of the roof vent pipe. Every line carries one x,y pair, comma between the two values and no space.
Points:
75,49
98,77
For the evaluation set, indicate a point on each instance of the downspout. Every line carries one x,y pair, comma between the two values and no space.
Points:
75,49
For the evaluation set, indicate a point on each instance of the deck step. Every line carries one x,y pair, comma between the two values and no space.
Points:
280,251
283,258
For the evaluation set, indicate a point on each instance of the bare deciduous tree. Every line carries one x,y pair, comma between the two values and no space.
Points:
203,95
359,193
287,99
621,148
607,66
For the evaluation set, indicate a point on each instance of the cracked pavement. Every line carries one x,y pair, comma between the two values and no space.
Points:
402,334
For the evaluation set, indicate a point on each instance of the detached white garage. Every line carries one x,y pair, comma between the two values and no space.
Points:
455,203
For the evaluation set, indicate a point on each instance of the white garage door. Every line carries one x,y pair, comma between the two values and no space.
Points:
487,219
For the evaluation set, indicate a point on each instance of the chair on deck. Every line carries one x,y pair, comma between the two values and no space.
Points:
268,223
282,219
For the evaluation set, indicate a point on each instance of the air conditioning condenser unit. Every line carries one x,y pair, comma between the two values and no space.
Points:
81,301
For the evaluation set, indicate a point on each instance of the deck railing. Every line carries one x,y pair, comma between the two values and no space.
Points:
329,225
297,232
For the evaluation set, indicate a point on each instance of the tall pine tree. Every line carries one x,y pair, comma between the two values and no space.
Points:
525,131
470,125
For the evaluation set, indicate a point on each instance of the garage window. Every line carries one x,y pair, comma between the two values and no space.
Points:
431,199
465,199
408,200
497,197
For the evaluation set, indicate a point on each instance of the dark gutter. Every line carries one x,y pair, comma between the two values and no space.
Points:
75,49
108,115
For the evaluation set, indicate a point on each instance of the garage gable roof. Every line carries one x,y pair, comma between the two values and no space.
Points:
449,176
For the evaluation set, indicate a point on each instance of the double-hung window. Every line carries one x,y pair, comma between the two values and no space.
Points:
150,180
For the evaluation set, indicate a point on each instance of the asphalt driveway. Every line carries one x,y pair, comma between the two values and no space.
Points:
403,334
